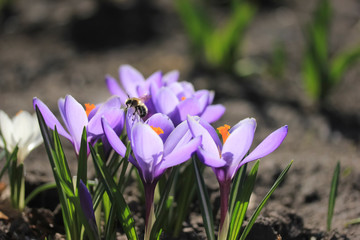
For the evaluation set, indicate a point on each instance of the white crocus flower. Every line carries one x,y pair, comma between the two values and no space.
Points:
22,131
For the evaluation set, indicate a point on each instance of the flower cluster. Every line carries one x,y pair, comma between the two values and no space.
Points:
21,131
175,125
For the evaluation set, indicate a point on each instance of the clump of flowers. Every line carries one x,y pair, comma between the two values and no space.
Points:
19,136
173,125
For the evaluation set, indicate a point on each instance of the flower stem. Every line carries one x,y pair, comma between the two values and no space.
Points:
224,207
149,208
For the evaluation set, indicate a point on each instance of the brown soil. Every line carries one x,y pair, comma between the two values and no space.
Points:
52,48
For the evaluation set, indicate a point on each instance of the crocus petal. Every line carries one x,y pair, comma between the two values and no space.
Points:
115,89
210,129
49,118
268,145
238,144
188,88
170,77
113,113
210,159
61,105
114,116
115,141
240,123
76,119
155,78
35,141
23,130
208,143
213,113
179,136
130,78
162,121
148,149
203,101
86,205
6,127
180,155
211,97
165,101
131,119
189,106
146,144
177,89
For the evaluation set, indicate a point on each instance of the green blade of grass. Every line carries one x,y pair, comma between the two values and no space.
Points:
187,190
237,186
82,159
205,206
6,165
49,146
342,62
352,221
122,209
163,208
242,202
39,189
263,202
332,195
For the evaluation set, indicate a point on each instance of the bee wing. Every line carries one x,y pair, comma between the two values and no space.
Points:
145,98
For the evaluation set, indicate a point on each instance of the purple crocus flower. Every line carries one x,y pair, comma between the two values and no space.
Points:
179,99
154,154
227,157
76,118
135,85
87,206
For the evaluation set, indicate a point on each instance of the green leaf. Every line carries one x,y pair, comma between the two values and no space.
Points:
82,160
263,202
163,208
39,189
311,76
196,22
185,190
352,221
6,165
66,209
110,232
205,206
342,62
332,195
316,64
242,203
237,187
114,163
122,209
222,45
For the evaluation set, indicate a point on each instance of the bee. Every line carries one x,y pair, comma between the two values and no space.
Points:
138,104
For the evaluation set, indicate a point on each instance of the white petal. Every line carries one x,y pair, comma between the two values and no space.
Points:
6,127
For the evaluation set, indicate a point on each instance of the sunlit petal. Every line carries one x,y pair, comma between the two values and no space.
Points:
268,145
50,119
130,78
76,120
208,144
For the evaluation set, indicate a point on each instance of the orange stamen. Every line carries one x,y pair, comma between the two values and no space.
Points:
88,108
18,112
158,130
224,132
182,98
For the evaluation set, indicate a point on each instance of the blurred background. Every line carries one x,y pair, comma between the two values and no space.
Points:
280,61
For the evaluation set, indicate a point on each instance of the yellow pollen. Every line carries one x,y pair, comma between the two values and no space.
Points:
158,130
88,108
183,98
224,132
